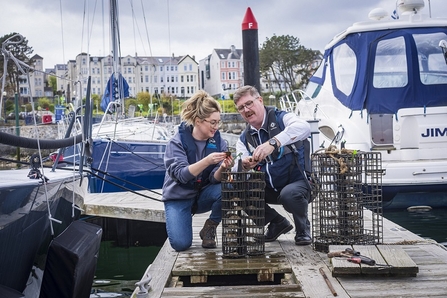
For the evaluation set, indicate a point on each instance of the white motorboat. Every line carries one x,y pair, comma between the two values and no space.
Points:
382,87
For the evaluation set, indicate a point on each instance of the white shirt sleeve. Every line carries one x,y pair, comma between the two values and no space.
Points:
296,129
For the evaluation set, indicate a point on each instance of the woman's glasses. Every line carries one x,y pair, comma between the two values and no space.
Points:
214,123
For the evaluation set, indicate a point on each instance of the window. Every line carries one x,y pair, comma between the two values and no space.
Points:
181,79
146,79
432,66
192,78
345,66
223,76
161,68
390,66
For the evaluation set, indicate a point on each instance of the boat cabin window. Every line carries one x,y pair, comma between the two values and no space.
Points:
432,66
345,67
390,66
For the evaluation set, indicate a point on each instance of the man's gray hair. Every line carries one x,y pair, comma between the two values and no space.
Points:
244,90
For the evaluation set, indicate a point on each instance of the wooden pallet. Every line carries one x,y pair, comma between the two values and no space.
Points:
396,261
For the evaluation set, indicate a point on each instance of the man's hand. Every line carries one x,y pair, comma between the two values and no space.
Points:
262,151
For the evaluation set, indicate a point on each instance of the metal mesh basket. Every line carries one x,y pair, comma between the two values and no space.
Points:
243,212
348,185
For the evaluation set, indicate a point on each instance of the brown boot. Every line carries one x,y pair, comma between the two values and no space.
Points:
208,234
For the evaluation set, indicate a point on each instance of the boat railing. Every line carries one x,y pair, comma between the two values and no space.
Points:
289,102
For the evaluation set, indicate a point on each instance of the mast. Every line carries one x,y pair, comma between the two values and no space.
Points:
117,92
114,31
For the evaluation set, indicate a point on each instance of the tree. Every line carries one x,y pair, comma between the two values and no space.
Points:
284,58
52,82
144,98
18,47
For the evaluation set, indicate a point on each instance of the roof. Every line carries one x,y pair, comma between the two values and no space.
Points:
232,53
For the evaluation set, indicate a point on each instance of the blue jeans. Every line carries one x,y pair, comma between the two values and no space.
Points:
179,218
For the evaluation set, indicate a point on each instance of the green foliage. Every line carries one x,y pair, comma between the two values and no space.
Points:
45,104
286,59
96,101
144,98
52,81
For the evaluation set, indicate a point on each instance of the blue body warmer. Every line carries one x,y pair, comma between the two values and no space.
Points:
212,145
283,170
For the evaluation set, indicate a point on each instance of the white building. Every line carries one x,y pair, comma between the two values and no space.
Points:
222,72
35,86
171,76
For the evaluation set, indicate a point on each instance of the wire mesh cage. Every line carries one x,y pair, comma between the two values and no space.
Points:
349,183
243,211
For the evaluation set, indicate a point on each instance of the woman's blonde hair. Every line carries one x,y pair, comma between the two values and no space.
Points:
201,105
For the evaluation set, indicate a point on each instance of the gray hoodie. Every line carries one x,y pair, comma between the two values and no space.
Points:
177,172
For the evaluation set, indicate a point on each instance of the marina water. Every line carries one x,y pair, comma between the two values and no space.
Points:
430,224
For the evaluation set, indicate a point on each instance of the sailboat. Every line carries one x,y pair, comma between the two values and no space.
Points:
39,211
382,87
126,152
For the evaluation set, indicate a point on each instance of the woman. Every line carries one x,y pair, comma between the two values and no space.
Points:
195,158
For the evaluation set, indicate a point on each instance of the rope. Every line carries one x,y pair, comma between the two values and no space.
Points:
332,151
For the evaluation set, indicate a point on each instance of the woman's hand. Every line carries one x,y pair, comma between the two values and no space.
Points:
216,157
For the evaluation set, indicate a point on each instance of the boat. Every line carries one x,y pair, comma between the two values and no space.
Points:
382,87
42,239
125,152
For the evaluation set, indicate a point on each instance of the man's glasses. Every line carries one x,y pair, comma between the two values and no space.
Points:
248,105
214,123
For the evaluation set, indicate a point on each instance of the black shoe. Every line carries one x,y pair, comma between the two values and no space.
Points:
274,230
303,239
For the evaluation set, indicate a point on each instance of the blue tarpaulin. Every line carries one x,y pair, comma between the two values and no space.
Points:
115,90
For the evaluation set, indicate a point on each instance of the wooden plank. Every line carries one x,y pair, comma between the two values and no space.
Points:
236,291
212,263
372,252
340,265
160,270
140,205
401,263
399,259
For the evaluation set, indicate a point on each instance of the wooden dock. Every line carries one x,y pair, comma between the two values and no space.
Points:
140,205
287,270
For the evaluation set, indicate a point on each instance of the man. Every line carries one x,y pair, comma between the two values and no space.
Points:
272,143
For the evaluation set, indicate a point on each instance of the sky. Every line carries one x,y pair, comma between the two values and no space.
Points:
58,30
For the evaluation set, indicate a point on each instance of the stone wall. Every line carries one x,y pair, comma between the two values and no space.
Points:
46,131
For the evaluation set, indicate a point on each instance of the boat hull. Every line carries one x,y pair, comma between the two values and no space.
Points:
120,166
25,231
